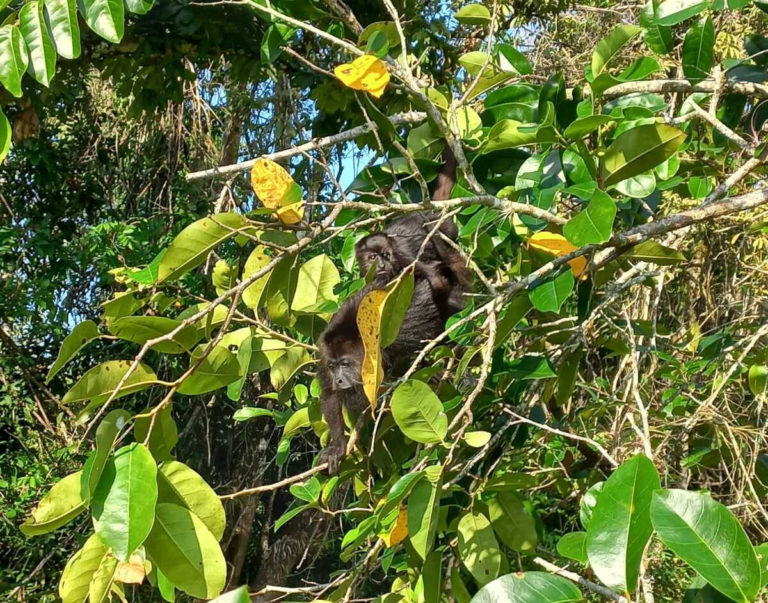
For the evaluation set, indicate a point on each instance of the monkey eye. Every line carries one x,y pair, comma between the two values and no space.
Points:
371,256
385,255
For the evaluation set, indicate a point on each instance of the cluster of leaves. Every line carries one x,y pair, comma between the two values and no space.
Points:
430,488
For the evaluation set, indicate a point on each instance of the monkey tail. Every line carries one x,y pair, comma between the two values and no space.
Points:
446,178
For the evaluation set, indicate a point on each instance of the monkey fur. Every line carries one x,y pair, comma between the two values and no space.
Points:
440,284
341,355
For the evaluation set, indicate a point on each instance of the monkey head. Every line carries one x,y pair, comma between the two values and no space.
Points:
341,363
378,249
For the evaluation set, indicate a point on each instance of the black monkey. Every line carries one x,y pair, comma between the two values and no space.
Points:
400,244
341,354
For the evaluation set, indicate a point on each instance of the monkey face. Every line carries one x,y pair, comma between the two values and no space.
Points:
345,372
377,249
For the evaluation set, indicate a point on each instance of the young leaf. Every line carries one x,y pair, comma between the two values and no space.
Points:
423,507
192,245
621,525
164,434
83,333
758,379
13,58
638,150
699,50
529,587
186,552
610,46
704,534
98,384
62,504
76,578
314,287
418,412
105,17
478,548
180,485
106,434
62,18
672,12
42,53
473,14
594,223
256,261
124,500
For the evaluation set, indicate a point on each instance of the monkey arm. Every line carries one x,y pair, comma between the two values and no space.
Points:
337,448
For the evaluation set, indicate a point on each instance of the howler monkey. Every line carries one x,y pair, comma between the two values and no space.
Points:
341,357
400,244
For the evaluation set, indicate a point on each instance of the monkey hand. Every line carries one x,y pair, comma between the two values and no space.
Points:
333,455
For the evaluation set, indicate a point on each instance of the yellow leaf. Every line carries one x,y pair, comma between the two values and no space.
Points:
366,73
369,323
131,572
400,530
557,245
270,182
291,214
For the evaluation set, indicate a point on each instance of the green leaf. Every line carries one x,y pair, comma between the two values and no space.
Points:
531,366
574,546
378,45
393,311
251,412
586,125
98,384
419,413
13,59
672,12
621,526
423,507
593,224
655,253
458,589
757,379
288,365
514,525
124,500
314,287
186,552
62,18
5,136
699,51
239,595
218,369
512,60
588,502
478,548
105,17
223,276
180,485
610,46
106,434
477,439
704,534
164,435
638,150
509,134
192,245
276,36
529,587
399,491
80,569
637,187
102,580
140,7
140,329
473,14
658,37
62,504
549,294
255,262
308,491
83,333
424,141
42,53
